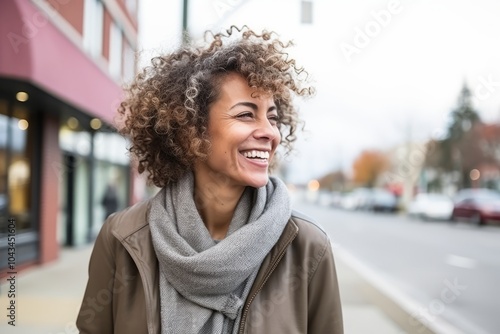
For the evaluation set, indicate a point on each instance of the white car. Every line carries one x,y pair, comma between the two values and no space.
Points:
357,199
431,206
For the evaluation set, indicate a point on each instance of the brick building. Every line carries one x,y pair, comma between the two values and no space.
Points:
62,64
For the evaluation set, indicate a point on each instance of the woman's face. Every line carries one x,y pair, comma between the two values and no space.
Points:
244,135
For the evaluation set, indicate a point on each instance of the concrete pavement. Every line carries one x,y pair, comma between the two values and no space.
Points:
49,297
362,314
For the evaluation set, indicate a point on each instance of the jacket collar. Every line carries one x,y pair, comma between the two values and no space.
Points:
132,230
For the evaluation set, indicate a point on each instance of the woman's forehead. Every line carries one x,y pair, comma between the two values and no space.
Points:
235,84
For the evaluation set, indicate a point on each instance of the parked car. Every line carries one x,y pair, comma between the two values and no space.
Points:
357,199
431,206
476,192
337,199
324,198
370,199
382,200
477,206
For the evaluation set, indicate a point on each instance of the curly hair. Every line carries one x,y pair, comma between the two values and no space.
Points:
167,106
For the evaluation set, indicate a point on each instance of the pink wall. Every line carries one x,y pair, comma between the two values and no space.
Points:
32,49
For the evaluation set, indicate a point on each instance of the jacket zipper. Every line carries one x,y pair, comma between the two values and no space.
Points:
274,265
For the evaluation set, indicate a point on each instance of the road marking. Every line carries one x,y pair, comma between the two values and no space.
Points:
460,261
391,293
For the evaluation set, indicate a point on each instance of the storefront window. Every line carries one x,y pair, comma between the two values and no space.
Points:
4,121
73,224
95,183
15,165
111,176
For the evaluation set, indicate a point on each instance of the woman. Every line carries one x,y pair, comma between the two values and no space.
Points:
218,249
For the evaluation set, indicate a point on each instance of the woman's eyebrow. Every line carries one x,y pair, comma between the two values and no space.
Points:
245,104
252,105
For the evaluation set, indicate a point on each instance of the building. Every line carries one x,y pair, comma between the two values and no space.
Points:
475,162
406,163
62,65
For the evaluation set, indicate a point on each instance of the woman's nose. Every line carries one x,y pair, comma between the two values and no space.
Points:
265,130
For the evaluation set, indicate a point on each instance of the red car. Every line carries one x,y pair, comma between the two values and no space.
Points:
477,206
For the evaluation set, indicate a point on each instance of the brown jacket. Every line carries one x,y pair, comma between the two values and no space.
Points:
295,291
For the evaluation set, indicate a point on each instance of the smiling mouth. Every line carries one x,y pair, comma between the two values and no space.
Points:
256,155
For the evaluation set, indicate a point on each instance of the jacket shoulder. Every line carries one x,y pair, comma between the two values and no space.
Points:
312,242
125,222
308,224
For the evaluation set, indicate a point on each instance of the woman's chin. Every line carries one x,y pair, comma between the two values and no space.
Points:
258,181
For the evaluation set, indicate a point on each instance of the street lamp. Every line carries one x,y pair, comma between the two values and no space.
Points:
185,33
474,176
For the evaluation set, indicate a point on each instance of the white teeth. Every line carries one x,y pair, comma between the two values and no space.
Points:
256,154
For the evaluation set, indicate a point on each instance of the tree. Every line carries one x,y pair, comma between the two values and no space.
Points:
463,117
368,166
462,120
460,150
333,181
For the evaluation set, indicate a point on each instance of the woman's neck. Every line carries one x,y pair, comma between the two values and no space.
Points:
216,203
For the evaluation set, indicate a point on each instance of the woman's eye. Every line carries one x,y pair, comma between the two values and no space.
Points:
274,119
245,115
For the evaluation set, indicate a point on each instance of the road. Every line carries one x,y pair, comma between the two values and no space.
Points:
451,270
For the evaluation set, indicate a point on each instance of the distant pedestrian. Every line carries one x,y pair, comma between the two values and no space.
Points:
110,200
218,249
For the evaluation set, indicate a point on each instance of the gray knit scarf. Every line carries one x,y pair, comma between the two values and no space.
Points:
204,283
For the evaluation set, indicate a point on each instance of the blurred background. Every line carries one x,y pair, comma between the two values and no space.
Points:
399,160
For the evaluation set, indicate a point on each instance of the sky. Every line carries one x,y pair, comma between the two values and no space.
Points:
386,72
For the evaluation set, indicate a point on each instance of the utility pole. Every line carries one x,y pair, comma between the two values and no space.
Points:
185,33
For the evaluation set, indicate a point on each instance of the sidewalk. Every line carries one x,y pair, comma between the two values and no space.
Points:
49,297
361,315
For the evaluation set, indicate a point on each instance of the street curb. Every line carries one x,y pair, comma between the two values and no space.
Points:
397,305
